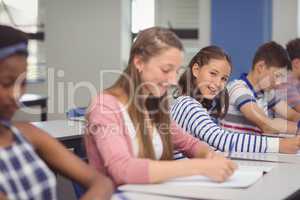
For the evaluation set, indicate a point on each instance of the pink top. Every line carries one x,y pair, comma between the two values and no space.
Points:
109,146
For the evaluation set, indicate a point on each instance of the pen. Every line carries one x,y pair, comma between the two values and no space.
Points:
121,195
231,146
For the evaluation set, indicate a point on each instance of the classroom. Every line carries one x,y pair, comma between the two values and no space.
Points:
149,99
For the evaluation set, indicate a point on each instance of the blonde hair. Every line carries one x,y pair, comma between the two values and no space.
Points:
149,43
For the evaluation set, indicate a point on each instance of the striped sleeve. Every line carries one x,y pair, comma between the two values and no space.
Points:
194,119
239,94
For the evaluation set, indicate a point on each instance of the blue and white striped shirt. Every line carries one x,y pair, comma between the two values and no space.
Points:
194,119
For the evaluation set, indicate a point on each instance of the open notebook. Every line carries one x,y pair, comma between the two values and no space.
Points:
244,177
280,135
268,157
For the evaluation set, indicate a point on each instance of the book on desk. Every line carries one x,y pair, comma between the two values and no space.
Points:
244,177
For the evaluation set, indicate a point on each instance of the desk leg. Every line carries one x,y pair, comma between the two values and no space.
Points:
77,145
44,110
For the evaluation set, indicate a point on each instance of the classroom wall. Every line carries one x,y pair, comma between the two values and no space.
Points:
105,44
285,20
82,39
188,14
204,22
239,27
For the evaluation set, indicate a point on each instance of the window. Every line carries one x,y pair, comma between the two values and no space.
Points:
24,15
142,13
298,18
179,16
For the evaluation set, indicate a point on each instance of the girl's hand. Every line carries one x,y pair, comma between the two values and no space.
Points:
218,168
213,154
289,145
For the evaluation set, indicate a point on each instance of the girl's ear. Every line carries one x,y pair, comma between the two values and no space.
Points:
195,70
138,63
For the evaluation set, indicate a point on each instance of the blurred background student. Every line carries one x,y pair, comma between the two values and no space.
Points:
290,89
252,95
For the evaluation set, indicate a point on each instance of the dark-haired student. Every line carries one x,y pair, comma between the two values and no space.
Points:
27,154
252,96
130,136
290,90
202,99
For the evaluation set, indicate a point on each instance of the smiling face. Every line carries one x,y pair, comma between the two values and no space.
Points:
12,84
212,77
160,71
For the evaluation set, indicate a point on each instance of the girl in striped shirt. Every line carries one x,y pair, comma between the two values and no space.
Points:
202,98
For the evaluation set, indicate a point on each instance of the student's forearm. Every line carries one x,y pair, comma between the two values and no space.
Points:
203,151
293,115
100,187
289,145
286,112
2,196
162,170
278,125
297,108
216,168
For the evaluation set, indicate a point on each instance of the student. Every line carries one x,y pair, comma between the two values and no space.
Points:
251,96
203,99
130,136
291,89
26,152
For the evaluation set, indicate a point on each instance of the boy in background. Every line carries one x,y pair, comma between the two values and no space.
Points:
251,96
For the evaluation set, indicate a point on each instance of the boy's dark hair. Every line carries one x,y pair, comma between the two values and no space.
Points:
273,54
10,36
293,48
